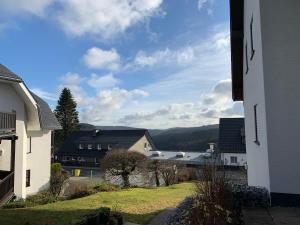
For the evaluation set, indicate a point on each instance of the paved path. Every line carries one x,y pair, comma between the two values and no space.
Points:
162,217
127,223
272,216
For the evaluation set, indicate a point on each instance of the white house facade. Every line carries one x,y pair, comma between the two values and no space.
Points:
26,125
265,48
232,145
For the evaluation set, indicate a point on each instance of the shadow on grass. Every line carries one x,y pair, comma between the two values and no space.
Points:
35,216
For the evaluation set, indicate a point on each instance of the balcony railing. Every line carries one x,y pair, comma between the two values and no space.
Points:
7,122
6,184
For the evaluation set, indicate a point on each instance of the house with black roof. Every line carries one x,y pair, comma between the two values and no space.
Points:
232,146
86,148
26,125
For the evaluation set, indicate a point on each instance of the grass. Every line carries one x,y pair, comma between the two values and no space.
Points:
138,205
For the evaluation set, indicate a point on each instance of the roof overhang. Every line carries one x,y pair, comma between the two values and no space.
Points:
237,43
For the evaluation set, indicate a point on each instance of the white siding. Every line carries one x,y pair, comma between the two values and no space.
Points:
11,101
254,93
40,152
281,58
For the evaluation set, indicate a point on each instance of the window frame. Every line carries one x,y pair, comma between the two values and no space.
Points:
30,145
99,147
28,178
255,124
252,40
246,58
90,146
80,146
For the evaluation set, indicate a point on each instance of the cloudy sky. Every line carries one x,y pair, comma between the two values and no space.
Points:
143,63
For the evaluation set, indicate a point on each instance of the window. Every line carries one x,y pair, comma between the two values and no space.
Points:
246,58
255,125
251,34
99,147
90,146
29,145
27,178
80,146
233,159
145,146
109,147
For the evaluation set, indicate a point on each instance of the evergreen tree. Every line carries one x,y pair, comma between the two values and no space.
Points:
67,116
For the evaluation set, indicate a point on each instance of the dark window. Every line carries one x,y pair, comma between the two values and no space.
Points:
29,147
233,159
27,178
246,56
255,125
251,34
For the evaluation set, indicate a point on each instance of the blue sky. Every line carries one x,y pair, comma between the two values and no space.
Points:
143,63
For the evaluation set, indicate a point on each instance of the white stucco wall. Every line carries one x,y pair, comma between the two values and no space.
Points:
241,159
254,93
281,58
40,152
11,101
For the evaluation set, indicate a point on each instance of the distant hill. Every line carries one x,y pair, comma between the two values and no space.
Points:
179,138
185,139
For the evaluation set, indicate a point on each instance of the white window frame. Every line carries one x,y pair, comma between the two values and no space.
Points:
90,146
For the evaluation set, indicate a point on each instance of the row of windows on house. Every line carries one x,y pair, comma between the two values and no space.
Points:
80,159
256,140
99,147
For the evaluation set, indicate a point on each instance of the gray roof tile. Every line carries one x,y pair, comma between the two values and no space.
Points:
6,74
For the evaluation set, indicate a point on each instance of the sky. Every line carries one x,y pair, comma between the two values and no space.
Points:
141,63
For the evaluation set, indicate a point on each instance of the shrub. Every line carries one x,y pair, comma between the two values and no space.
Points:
118,218
168,172
104,214
123,163
106,187
15,204
250,196
213,203
57,179
187,174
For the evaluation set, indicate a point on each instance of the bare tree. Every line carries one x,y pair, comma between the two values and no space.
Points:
168,171
123,163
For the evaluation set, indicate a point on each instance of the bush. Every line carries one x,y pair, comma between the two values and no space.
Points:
250,196
118,218
168,172
15,204
104,214
106,187
214,203
187,174
57,179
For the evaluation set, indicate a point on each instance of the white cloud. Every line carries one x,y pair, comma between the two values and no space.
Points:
34,7
44,94
96,58
181,56
208,4
206,109
104,18
103,82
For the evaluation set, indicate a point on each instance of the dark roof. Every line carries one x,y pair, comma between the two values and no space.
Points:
232,135
237,46
47,118
6,74
117,139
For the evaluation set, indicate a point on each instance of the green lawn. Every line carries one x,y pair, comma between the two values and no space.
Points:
138,205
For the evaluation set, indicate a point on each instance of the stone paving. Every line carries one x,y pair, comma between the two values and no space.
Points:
272,216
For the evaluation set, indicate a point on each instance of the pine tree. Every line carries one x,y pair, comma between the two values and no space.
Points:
67,116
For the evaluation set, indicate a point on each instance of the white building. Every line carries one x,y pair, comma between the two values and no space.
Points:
265,46
26,125
232,145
